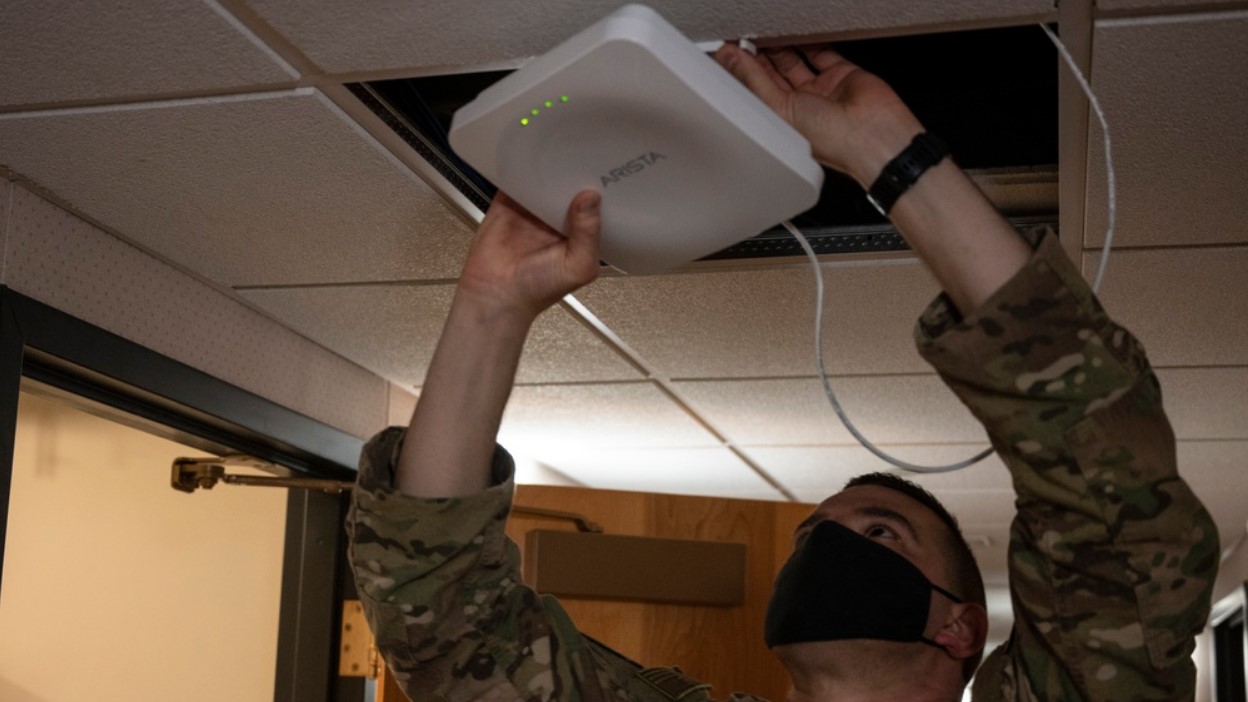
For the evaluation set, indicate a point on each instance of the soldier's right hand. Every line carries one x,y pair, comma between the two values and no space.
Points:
854,121
519,266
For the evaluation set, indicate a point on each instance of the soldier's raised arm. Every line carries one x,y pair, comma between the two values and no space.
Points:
439,579
856,124
1112,558
516,268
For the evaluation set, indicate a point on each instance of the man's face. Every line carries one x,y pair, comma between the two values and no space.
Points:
849,643
891,519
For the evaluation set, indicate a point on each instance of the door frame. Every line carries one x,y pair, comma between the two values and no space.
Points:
105,374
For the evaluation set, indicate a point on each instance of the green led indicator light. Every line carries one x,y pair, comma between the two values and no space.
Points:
525,122
563,99
549,103
535,112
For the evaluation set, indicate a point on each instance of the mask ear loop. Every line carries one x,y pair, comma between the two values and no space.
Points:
949,595
1111,206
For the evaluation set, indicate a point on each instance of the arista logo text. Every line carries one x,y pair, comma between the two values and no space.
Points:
636,165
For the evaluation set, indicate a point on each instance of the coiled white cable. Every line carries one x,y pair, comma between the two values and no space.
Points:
1111,203
827,386
814,260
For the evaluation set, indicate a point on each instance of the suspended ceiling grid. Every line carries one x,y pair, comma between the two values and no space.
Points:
218,137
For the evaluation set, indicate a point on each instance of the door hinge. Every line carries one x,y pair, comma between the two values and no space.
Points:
357,654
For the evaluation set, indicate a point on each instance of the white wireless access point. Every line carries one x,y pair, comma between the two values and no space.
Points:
688,161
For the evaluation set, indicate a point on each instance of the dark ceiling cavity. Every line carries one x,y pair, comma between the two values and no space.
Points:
991,94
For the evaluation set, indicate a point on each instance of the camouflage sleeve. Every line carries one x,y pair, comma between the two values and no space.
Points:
440,584
1112,558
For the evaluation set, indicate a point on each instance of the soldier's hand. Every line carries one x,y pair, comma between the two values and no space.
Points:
853,120
519,266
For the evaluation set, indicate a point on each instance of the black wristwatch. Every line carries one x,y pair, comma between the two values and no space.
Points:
902,172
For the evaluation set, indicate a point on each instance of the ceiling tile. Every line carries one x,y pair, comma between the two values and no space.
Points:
1206,403
530,472
981,507
988,474
543,419
1188,306
393,34
815,472
898,409
711,472
734,324
1175,92
392,330
272,188
401,403
64,262
1115,5
61,51
1215,472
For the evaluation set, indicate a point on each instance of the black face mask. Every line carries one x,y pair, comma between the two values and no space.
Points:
842,585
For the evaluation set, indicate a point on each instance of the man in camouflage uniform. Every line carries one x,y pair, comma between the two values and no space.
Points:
1112,558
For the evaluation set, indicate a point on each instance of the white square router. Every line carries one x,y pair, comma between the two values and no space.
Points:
687,160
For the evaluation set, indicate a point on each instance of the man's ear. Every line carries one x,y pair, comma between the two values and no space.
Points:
965,630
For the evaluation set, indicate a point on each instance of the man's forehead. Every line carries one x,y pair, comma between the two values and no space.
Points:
863,500
868,499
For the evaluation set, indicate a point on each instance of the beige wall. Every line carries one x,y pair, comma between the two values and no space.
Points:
117,588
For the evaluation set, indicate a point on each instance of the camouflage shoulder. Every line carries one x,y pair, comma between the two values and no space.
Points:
377,460
623,679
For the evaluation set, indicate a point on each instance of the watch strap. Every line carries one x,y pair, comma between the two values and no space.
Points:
901,173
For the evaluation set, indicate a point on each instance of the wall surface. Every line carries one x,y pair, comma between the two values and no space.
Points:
719,645
118,588
1233,572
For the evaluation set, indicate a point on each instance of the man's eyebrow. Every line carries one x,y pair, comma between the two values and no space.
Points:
878,512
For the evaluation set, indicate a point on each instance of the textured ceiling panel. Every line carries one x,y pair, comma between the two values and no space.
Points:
1113,5
530,472
401,404
1175,93
813,470
64,262
761,323
1215,472
981,507
268,189
556,418
394,34
392,330
64,50
905,409
1206,403
1188,306
713,472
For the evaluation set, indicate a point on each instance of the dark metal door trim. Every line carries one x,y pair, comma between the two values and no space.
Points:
71,358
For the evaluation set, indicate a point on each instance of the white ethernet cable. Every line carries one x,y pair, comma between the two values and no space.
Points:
1096,286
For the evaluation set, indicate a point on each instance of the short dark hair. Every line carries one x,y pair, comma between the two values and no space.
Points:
967,581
